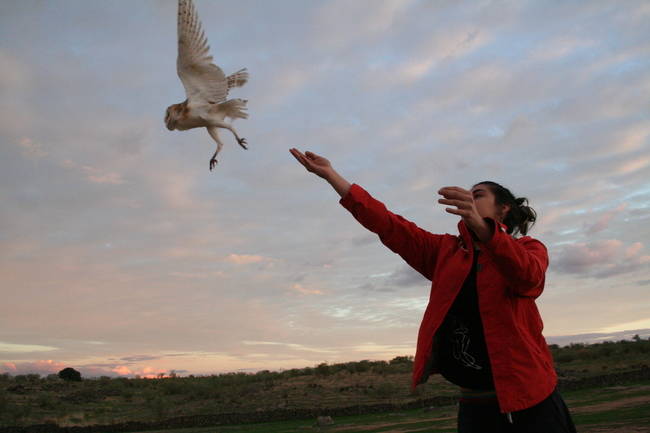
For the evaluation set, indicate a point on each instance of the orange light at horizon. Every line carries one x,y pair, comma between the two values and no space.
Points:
10,365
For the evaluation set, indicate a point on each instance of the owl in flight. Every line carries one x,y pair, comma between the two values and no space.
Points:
206,86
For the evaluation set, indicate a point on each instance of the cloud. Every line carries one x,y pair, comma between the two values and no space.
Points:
398,280
197,275
447,44
559,48
360,22
42,367
630,139
363,239
287,81
17,75
245,259
305,291
31,149
46,367
20,348
293,346
406,276
633,165
609,334
94,174
382,349
603,222
146,372
600,259
139,358
122,370
641,324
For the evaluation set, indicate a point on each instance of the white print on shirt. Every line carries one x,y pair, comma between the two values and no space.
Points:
461,343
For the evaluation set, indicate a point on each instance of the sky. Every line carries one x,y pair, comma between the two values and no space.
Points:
121,254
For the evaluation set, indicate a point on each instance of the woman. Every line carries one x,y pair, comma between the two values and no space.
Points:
481,329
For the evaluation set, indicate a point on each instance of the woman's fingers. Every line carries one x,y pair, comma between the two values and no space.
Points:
459,197
454,192
461,204
461,212
312,155
296,154
301,158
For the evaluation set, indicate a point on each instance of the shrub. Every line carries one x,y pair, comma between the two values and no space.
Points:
45,401
173,387
203,391
33,378
564,357
84,395
381,368
605,351
362,366
21,378
128,395
4,400
158,406
401,360
386,390
70,374
323,369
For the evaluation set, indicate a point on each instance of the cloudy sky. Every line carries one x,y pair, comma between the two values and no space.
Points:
122,254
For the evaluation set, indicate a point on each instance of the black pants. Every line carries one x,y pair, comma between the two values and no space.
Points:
549,416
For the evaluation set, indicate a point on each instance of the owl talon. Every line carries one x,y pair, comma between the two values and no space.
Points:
242,143
213,162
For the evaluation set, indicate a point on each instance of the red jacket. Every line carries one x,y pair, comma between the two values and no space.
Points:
510,276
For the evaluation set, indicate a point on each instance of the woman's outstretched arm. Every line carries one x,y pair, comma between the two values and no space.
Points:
322,167
417,246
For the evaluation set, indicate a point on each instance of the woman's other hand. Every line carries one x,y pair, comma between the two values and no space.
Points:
463,200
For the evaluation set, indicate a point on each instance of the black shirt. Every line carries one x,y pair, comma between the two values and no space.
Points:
459,344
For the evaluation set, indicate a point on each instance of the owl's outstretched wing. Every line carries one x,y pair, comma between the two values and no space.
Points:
203,80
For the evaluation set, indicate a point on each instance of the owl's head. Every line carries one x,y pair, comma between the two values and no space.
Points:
170,117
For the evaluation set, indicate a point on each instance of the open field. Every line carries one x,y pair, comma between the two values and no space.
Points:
619,409
607,387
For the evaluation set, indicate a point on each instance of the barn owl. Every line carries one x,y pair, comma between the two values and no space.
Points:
206,86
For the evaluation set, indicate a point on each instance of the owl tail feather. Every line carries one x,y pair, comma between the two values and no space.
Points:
235,108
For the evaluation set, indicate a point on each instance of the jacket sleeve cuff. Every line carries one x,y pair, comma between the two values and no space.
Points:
353,196
497,229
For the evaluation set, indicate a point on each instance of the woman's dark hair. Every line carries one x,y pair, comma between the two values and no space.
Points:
521,217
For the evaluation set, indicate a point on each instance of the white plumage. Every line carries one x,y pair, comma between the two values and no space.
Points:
206,86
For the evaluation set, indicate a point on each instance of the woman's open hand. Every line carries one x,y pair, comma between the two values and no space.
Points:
321,166
313,163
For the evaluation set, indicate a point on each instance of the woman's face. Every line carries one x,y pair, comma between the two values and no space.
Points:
486,207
